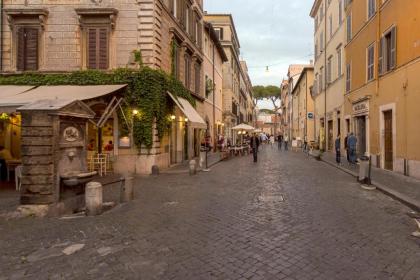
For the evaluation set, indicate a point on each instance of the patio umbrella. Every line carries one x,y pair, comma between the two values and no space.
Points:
243,126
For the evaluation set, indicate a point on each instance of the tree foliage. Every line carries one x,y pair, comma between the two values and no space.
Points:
272,93
146,92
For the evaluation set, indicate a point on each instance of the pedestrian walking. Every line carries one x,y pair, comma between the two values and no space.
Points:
346,147
286,142
255,143
352,143
305,144
338,149
279,141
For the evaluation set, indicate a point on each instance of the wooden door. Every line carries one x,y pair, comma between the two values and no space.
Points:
389,152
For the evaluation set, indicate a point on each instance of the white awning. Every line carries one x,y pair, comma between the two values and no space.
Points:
6,91
194,119
68,93
243,126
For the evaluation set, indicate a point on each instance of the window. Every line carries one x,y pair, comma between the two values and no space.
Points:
175,60
370,62
348,77
321,11
349,23
197,76
321,39
339,61
321,77
187,60
97,48
331,25
388,51
329,70
340,11
219,33
371,8
27,49
175,7
315,88
316,49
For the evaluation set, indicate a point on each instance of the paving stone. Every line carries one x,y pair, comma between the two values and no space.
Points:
227,224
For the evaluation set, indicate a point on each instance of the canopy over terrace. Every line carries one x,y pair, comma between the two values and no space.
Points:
16,96
194,119
103,126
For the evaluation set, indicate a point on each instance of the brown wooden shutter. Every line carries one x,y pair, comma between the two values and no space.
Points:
98,50
92,47
393,54
20,50
103,49
381,56
31,49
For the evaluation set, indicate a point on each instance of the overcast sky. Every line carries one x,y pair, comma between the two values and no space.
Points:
271,32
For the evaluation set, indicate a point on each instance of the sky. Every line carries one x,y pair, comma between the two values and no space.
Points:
272,33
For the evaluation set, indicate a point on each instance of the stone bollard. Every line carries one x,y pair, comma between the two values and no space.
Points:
127,190
93,199
155,170
193,168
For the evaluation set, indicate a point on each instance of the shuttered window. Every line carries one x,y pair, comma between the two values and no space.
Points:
27,49
388,51
98,48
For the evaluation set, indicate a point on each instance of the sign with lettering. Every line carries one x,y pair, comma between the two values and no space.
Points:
310,115
361,107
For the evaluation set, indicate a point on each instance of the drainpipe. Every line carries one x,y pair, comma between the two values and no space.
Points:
1,36
306,106
325,76
214,103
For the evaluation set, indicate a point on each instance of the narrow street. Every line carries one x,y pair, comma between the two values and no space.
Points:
286,217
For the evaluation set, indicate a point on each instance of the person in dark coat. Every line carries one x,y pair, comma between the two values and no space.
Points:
255,143
346,147
352,145
279,141
338,149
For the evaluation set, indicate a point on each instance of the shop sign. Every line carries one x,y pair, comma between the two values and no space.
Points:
361,107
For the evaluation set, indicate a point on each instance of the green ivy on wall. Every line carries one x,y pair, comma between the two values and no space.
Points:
146,92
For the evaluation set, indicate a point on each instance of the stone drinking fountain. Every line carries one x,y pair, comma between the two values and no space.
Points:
54,155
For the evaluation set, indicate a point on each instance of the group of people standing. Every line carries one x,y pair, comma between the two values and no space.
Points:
350,145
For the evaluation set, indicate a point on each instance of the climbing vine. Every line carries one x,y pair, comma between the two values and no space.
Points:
146,93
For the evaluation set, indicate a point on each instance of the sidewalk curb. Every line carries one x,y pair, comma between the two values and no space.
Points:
408,201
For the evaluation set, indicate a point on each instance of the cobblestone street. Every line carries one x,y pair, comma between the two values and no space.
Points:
286,217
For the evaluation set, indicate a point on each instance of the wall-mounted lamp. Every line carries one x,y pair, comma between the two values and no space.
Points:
135,112
186,119
173,117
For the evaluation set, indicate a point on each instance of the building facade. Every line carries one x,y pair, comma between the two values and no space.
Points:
225,28
214,57
328,90
382,90
105,35
303,124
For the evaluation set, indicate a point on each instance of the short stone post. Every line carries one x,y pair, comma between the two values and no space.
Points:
93,199
193,167
127,190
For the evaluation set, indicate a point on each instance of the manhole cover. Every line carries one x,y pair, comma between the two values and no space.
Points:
271,198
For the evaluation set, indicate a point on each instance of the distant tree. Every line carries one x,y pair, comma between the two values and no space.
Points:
267,111
272,93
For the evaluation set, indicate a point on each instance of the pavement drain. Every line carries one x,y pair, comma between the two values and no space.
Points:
271,198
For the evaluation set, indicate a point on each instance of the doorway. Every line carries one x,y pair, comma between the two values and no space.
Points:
361,135
330,135
388,143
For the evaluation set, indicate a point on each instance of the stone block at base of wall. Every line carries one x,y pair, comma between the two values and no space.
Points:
140,164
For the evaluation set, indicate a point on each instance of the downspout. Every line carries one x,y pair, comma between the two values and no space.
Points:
306,106
325,76
214,104
1,36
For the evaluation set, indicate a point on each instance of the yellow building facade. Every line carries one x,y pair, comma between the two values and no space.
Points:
382,84
303,126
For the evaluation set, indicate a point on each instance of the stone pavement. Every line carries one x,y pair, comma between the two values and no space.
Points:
403,188
285,217
212,159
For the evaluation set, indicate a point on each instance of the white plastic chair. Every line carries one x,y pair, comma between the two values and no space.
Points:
18,177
